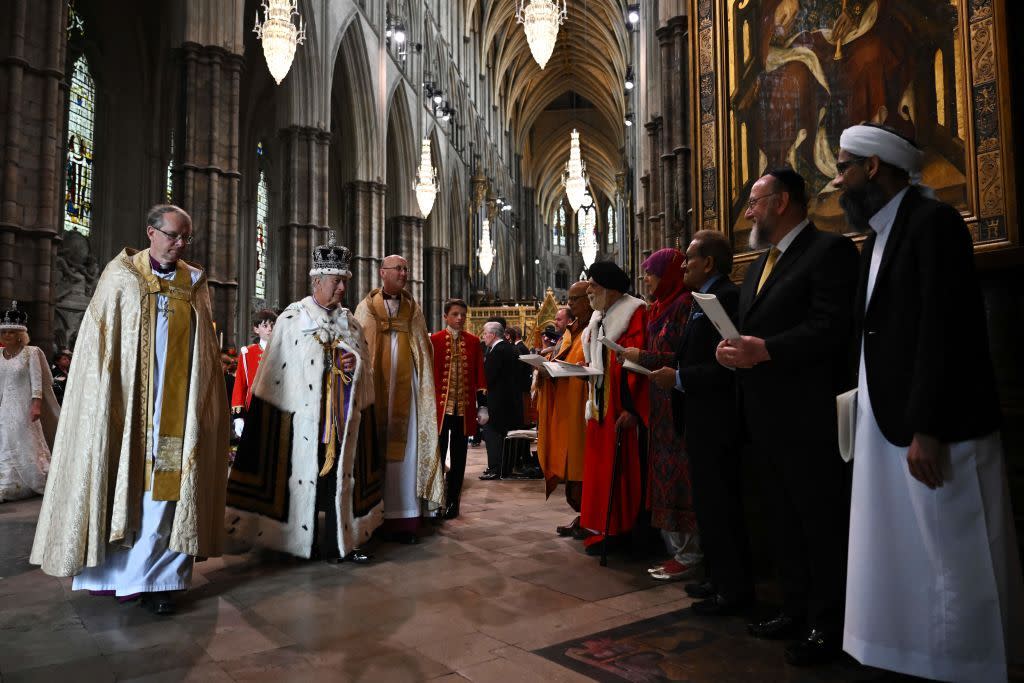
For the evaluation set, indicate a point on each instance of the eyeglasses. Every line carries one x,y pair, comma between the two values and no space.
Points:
752,202
400,269
843,166
174,237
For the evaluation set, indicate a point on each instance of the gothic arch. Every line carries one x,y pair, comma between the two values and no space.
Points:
401,151
352,105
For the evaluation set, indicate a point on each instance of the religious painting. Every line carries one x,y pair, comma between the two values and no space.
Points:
779,80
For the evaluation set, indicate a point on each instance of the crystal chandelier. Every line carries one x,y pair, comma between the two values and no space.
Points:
426,181
486,252
575,176
540,20
586,238
280,35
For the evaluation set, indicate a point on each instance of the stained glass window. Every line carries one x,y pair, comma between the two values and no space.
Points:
169,190
79,171
611,224
262,209
561,225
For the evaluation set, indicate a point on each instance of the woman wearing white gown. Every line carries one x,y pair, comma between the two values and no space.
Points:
27,406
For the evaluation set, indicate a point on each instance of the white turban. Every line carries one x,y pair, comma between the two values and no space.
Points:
871,141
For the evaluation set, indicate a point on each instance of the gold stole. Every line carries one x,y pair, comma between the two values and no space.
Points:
165,473
393,428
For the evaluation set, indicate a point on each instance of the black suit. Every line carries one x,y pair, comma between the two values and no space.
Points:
804,313
705,414
925,346
504,398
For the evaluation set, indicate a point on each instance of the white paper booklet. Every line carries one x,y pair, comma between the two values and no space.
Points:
534,359
619,350
719,318
559,368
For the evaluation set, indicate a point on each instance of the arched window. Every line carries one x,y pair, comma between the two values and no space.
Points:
169,189
262,213
79,160
610,224
561,225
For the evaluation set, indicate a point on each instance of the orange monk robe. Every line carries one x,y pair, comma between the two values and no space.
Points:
625,323
561,423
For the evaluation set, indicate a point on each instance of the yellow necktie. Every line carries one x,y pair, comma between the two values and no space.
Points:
773,256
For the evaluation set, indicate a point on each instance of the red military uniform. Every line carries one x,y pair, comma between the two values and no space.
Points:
458,396
245,375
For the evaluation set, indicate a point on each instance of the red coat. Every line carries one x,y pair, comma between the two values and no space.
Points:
473,374
245,375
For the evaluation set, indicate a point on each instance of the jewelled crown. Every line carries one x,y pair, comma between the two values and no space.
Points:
331,259
13,319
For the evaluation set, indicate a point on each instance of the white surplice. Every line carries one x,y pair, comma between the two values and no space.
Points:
148,565
934,579
400,499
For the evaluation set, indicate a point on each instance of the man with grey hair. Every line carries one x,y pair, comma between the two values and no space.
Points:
310,417
402,359
503,399
137,480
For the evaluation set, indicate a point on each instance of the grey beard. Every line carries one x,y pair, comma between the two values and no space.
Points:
756,240
598,302
861,204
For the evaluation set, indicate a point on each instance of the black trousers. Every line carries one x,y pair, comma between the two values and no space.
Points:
809,493
326,492
718,503
494,440
453,434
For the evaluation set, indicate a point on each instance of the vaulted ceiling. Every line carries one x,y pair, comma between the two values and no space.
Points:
580,87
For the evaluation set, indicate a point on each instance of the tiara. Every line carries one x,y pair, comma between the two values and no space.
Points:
13,319
331,259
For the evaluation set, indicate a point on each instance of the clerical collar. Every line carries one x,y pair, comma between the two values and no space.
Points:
163,270
452,331
391,297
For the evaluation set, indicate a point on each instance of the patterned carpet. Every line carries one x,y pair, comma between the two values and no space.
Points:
680,646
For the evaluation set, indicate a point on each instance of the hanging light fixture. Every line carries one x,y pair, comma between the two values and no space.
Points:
586,238
575,177
540,20
280,35
485,252
425,184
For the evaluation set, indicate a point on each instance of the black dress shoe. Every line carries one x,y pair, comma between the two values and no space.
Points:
720,606
700,591
568,528
817,648
781,627
489,475
358,556
404,537
452,511
159,603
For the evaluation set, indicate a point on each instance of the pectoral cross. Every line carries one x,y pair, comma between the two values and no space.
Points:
163,307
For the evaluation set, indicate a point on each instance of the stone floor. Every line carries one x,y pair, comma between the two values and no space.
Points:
472,602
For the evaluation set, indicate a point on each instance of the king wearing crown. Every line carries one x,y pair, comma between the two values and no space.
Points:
308,444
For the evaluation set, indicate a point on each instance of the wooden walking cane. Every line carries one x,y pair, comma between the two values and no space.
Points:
616,464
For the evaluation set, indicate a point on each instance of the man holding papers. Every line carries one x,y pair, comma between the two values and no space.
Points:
615,402
503,373
795,318
704,408
561,423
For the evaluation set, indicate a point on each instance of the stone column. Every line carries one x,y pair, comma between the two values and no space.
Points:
32,57
681,150
364,228
436,284
404,236
304,154
210,173
656,205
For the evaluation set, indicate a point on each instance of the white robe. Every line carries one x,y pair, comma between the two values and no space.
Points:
148,565
400,499
24,455
933,579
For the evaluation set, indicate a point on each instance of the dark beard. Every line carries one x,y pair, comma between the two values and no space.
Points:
860,204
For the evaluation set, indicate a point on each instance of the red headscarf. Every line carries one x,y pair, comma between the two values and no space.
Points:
670,287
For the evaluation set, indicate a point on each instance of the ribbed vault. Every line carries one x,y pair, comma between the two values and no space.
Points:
589,60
